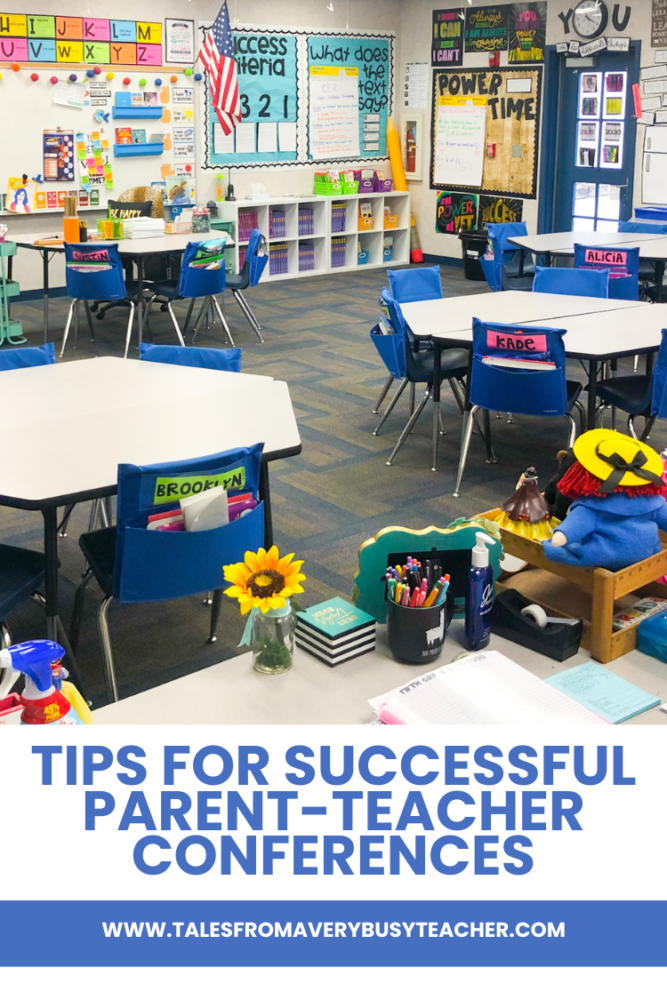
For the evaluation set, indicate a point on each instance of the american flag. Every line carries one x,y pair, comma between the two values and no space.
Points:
217,55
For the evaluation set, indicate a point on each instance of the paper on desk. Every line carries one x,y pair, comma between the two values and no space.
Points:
245,137
287,137
267,140
603,692
482,689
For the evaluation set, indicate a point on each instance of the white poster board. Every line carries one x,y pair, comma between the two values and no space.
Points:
460,132
334,112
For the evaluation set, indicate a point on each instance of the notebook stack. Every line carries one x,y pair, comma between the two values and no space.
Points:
335,631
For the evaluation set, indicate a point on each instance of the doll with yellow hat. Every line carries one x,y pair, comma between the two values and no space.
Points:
618,504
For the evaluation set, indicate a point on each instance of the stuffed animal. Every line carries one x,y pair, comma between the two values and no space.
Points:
559,503
616,487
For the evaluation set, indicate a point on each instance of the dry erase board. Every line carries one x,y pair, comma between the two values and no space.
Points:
485,130
274,70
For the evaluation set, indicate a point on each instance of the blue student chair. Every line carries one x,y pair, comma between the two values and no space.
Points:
216,358
621,263
570,281
413,284
509,257
639,395
255,261
418,369
21,570
134,565
540,393
84,284
194,283
27,357
646,268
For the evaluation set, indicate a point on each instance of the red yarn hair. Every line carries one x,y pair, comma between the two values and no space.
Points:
579,482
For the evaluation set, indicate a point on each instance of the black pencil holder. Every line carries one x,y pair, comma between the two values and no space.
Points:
417,635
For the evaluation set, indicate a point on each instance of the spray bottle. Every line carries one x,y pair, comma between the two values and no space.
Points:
46,698
479,594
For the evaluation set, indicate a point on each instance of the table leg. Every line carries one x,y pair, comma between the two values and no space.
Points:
140,296
592,392
649,363
437,351
265,495
45,282
51,575
522,261
659,275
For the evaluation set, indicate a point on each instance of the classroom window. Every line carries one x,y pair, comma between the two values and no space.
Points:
601,120
596,206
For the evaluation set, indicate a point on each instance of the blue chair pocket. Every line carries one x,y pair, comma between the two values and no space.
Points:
165,565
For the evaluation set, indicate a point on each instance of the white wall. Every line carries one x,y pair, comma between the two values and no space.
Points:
416,19
351,14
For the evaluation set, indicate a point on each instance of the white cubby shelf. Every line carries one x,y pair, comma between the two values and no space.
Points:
398,203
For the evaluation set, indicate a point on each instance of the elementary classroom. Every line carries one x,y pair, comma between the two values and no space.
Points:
333,363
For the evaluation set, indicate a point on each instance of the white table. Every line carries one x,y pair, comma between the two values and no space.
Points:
130,250
70,425
313,694
441,317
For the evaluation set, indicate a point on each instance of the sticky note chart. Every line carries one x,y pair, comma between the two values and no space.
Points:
54,39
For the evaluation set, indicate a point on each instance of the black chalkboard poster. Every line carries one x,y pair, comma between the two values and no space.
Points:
447,37
527,32
455,212
495,209
659,23
486,29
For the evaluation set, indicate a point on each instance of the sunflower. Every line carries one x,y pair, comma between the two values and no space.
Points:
264,580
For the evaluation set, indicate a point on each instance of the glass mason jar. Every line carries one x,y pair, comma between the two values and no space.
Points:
273,640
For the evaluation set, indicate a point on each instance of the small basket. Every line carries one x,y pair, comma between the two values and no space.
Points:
350,188
365,223
384,185
362,257
390,221
387,253
363,186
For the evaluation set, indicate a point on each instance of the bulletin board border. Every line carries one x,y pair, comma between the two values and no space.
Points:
532,68
302,89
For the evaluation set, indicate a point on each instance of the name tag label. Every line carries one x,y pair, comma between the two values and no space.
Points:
516,341
168,489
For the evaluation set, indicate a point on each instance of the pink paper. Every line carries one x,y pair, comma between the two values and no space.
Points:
96,29
13,49
606,258
149,55
518,341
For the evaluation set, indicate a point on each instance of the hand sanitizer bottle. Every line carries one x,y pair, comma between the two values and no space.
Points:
479,595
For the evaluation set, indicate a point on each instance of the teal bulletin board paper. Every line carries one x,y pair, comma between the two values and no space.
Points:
267,69
603,692
373,58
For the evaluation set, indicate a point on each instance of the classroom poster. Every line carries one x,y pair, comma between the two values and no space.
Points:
486,29
58,155
493,209
527,32
20,195
455,212
179,41
496,151
447,37
95,40
659,23
334,113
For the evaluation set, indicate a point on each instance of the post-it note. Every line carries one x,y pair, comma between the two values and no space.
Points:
603,692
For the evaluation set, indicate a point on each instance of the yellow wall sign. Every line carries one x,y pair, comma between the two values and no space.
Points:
334,70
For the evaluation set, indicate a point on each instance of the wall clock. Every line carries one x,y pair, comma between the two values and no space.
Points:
590,18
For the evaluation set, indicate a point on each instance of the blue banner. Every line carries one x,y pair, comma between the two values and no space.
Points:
427,934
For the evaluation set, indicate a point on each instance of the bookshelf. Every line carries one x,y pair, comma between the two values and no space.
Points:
304,232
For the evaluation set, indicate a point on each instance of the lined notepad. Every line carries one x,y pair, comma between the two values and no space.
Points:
603,692
481,689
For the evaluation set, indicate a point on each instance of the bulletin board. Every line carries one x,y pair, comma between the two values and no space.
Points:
274,69
506,139
29,115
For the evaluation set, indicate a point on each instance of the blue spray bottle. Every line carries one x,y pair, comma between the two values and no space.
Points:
46,698
479,594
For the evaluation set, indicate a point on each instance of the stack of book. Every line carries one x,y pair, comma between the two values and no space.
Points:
277,223
338,251
247,222
143,228
335,631
306,257
338,213
278,258
306,220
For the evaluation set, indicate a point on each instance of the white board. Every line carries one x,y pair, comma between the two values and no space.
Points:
460,133
334,112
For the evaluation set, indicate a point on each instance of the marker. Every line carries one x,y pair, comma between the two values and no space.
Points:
435,593
443,593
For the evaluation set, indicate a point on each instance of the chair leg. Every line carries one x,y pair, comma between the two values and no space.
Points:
76,324
579,406
631,427
175,325
5,637
635,363
468,420
62,530
77,609
252,319
457,393
221,315
573,429
129,330
215,615
105,640
200,316
408,427
89,319
385,389
391,406
647,428
412,398
67,326
188,316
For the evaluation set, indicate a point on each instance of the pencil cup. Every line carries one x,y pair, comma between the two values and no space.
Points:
417,635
